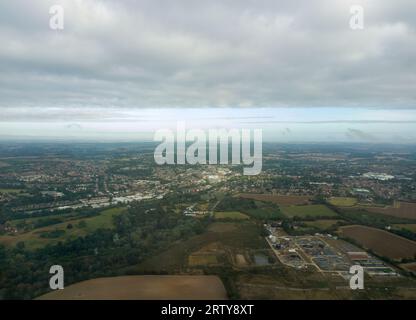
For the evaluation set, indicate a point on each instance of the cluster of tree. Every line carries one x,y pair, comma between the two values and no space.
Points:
139,233
235,204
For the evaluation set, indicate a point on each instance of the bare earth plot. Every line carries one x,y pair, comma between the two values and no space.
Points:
143,288
381,242
399,209
411,266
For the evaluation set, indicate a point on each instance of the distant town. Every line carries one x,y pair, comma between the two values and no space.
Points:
313,212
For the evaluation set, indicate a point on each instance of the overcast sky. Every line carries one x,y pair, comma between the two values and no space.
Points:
122,61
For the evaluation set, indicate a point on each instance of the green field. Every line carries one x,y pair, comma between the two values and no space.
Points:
264,213
41,237
322,224
308,211
342,201
410,227
29,222
234,215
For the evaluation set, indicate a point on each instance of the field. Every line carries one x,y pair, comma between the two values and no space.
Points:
220,237
311,211
322,224
233,215
381,242
342,201
59,232
410,227
276,199
409,267
264,213
10,190
399,209
202,259
143,288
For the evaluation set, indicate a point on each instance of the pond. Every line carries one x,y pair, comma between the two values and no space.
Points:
261,259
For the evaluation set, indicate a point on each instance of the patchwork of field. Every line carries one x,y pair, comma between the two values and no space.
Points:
70,229
342,201
276,199
381,242
219,238
399,209
233,215
143,288
308,211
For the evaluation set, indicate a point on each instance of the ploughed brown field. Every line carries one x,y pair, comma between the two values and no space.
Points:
282,200
400,209
411,266
381,242
143,288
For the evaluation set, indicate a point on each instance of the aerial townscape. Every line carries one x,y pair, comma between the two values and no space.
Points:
292,232
235,150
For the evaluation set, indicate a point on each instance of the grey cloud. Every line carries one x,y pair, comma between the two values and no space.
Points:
153,53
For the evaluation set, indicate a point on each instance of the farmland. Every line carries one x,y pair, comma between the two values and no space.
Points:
411,267
308,211
276,199
263,213
342,201
143,288
69,229
232,215
235,236
400,209
322,224
410,227
381,242
202,259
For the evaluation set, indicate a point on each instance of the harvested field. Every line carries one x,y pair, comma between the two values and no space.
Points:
400,209
276,199
143,288
409,267
202,259
381,242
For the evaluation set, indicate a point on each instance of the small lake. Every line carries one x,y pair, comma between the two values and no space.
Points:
261,259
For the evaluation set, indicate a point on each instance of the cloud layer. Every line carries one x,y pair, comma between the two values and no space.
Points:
154,54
